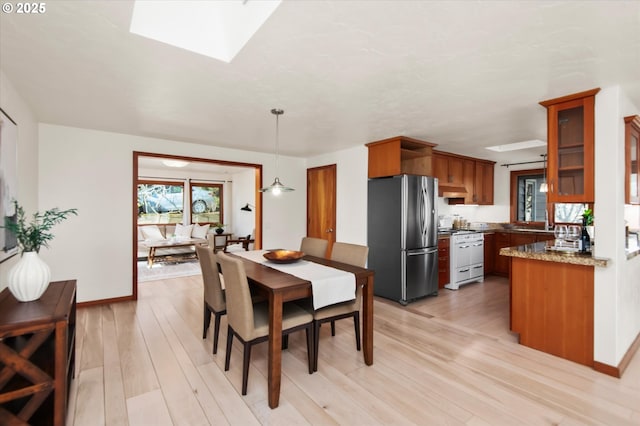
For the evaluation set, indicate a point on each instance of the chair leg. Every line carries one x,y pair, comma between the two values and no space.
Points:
333,328
356,324
310,351
227,359
216,331
245,366
316,345
206,320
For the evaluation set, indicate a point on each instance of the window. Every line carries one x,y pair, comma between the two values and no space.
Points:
206,204
160,202
529,205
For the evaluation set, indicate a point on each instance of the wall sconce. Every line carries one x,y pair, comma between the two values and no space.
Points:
247,208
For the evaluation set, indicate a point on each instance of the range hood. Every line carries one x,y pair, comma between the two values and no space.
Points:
452,190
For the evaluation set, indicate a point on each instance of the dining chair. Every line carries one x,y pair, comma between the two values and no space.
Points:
238,244
314,246
249,322
214,294
352,254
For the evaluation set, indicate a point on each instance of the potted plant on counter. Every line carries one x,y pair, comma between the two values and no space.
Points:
29,278
587,218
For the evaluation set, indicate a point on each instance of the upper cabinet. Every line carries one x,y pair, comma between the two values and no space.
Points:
400,155
463,179
484,183
570,145
632,153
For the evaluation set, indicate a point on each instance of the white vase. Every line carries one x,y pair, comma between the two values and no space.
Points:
29,278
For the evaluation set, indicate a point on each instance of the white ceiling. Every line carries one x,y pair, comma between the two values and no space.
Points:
462,74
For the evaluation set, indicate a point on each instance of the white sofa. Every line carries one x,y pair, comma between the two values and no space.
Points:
155,232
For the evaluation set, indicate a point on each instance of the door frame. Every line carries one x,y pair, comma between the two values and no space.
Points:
134,191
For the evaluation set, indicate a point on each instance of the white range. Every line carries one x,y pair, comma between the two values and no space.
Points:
466,258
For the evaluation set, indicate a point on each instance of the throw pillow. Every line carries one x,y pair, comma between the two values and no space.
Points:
200,231
151,233
183,231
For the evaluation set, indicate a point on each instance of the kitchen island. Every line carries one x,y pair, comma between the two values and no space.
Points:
552,300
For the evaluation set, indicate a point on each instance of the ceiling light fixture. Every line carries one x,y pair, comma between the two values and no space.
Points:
276,187
175,163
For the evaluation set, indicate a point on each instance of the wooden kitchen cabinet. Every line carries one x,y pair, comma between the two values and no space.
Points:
448,169
489,253
443,262
570,147
501,267
632,154
471,179
522,239
483,185
400,155
37,356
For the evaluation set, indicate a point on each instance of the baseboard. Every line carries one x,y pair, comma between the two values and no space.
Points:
624,362
105,301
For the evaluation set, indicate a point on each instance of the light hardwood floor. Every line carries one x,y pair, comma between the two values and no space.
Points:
442,360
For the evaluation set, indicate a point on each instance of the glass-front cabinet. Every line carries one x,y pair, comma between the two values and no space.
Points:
570,145
632,142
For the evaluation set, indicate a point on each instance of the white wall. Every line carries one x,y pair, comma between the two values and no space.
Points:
351,198
243,193
12,104
617,288
93,171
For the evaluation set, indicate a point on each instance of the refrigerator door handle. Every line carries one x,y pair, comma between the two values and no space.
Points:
422,252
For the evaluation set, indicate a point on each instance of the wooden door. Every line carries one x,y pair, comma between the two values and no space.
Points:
321,203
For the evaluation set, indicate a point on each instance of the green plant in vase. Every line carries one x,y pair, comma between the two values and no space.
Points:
29,278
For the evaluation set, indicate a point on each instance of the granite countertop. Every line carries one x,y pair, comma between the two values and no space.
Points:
538,251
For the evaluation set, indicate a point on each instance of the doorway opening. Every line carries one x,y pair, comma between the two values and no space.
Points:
170,190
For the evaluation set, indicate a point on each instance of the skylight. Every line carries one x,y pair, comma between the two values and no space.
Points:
218,29
517,145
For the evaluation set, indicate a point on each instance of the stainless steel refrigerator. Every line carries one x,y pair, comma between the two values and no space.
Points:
403,236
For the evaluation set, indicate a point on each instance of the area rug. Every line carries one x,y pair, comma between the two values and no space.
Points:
166,270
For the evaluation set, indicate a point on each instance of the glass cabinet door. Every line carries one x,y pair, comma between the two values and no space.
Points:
570,132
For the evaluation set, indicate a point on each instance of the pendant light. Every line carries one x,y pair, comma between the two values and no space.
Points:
276,187
543,185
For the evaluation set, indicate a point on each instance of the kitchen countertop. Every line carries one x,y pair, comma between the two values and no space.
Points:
538,251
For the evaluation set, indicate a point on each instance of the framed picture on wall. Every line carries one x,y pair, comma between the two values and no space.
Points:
8,182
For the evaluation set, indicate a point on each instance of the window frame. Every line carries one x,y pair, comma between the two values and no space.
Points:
220,186
166,183
515,175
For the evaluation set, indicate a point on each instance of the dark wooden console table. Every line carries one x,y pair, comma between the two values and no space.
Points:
37,356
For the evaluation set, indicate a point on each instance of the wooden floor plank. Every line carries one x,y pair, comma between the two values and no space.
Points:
148,409
114,395
179,395
90,401
449,359
138,374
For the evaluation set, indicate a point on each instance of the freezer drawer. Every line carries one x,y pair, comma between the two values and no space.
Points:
421,274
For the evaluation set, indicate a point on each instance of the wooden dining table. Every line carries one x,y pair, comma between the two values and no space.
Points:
280,287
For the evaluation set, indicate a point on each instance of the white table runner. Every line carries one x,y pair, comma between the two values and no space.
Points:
329,285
